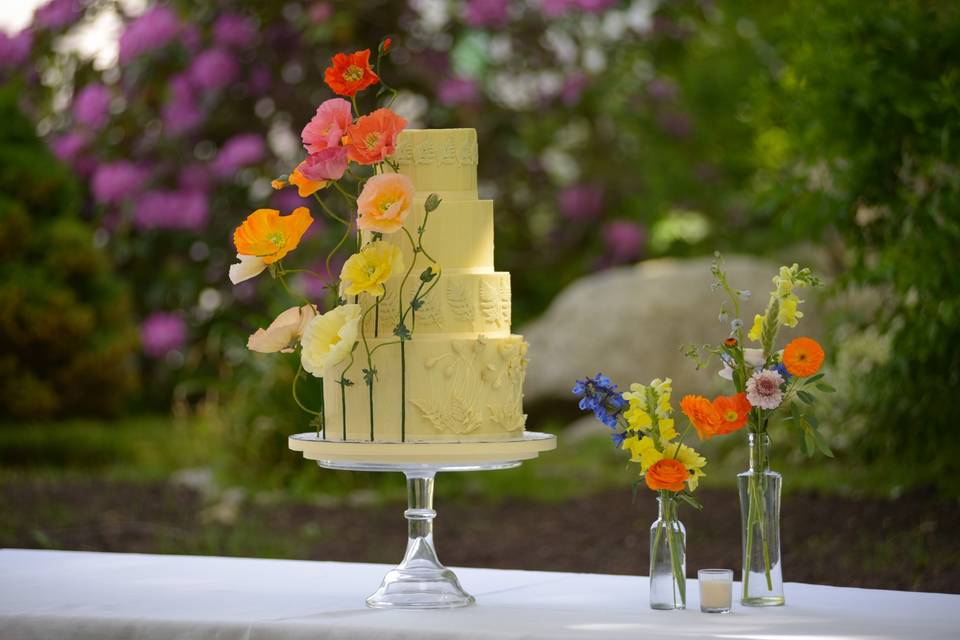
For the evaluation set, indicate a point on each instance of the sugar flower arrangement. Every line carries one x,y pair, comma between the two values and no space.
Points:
641,421
771,385
349,157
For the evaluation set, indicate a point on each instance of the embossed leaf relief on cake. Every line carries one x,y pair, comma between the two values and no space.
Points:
505,297
449,151
468,152
404,154
431,312
495,303
459,300
459,368
508,417
425,153
452,416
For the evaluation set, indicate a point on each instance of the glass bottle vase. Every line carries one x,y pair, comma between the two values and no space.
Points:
759,489
668,557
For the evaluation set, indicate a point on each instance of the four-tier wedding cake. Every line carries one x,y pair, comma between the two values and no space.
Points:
462,370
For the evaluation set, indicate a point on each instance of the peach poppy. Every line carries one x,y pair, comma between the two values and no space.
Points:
733,411
669,474
350,73
373,138
270,236
385,202
703,415
802,357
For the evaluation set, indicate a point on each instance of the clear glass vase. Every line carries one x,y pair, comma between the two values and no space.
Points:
760,533
668,557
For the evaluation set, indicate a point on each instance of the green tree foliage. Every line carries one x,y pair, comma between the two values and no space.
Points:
858,133
64,317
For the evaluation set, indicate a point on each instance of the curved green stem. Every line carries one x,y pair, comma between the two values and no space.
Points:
349,196
296,398
330,213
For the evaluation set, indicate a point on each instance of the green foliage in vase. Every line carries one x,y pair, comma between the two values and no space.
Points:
65,323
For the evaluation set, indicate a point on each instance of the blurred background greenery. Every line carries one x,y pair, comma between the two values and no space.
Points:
612,132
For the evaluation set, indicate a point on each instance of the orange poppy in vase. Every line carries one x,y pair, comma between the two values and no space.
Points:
703,415
668,474
733,411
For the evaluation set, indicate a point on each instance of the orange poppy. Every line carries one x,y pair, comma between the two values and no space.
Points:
803,357
669,474
373,138
350,73
270,236
733,411
703,415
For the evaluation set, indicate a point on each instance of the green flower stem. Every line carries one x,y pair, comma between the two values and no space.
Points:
403,391
413,262
296,398
675,544
343,394
356,110
370,387
384,344
287,288
757,518
346,194
323,410
328,211
376,317
340,243
370,373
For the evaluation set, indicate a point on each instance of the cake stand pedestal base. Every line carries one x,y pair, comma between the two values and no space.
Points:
420,581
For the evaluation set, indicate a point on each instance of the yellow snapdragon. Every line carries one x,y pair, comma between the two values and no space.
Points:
644,451
694,462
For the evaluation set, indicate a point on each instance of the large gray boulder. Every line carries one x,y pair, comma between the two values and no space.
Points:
631,322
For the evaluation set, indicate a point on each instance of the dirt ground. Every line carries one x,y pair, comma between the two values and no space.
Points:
909,543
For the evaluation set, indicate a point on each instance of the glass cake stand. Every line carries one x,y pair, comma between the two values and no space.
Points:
420,581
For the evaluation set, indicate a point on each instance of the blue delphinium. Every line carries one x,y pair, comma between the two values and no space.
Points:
600,395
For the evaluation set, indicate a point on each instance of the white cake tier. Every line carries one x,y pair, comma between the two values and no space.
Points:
459,234
461,302
442,161
457,389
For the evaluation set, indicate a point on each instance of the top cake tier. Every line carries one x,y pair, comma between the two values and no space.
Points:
441,161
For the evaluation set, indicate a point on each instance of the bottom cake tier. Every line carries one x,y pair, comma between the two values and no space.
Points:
457,389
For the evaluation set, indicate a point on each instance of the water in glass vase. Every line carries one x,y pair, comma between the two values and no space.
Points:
759,488
668,557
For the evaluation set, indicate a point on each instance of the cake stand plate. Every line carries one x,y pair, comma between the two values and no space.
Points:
314,447
420,581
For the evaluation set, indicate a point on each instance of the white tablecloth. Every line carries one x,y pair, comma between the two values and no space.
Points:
62,594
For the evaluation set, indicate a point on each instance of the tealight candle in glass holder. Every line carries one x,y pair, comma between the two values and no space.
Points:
716,590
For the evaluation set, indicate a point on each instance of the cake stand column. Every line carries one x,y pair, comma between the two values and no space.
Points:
420,581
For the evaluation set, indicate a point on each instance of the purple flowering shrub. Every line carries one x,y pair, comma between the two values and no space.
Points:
589,139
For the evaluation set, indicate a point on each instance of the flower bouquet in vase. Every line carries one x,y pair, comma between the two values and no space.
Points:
772,386
642,423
